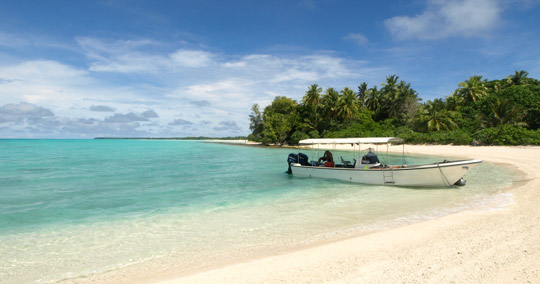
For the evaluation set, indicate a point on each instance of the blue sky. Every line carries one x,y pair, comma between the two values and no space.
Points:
81,69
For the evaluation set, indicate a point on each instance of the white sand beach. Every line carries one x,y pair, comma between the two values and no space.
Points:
474,246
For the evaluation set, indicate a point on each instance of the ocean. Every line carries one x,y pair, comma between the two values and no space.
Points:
70,209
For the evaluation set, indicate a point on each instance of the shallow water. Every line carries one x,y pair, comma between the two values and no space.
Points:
70,208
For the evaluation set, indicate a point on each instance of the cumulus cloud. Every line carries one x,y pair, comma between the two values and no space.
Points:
30,120
131,117
180,121
141,73
16,113
150,114
101,108
442,19
229,126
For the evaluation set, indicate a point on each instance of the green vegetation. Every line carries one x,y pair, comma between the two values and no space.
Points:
498,112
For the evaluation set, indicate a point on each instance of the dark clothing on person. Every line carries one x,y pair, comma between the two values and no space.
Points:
370,158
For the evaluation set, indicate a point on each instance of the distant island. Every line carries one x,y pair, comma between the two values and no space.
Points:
479,112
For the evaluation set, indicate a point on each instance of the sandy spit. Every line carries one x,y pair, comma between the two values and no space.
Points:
474,246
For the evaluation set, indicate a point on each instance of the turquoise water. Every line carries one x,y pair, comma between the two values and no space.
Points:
73,208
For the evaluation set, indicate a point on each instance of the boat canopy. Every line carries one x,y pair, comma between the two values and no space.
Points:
367,140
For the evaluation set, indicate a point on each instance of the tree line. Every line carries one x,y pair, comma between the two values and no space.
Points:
496,112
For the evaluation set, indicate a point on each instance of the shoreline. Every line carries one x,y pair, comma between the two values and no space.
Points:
370,261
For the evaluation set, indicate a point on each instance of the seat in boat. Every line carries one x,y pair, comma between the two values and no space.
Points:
345,163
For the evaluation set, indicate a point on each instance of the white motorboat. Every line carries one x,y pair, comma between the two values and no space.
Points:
368,170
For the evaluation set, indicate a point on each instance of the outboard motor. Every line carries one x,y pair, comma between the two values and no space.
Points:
460,182
299,158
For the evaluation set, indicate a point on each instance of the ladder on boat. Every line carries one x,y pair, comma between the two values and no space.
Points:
388,177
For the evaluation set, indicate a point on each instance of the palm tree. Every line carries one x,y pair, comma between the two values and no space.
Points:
313,95
373,99
389,93
362,91
497,85
435,116
311,102
503,112
472,89
347,104
390,86
453,102
330,103
518,78
403,94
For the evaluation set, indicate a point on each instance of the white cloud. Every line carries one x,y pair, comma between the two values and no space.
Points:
124,78
238,64
42,71
295,74
442,19
42,81
330,66
253,77
129,63
95,47
357,38
137,56
63,88
191,58
141,62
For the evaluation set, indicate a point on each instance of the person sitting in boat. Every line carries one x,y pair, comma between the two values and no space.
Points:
328,158
370,159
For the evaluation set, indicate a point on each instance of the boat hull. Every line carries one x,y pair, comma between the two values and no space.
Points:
430,175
